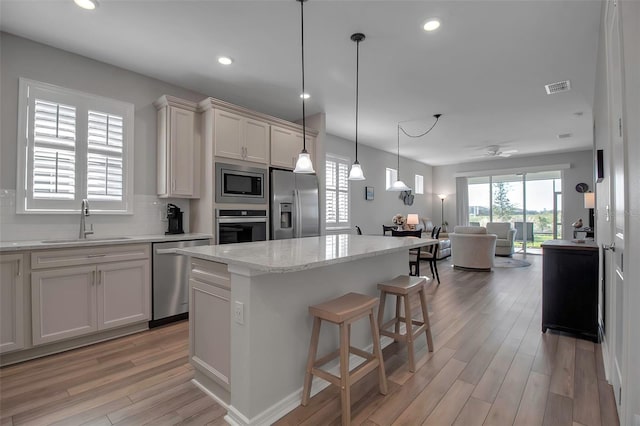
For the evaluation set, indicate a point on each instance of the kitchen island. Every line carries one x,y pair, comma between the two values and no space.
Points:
249,325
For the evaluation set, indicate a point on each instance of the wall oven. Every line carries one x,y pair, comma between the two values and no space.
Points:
240,184
240,226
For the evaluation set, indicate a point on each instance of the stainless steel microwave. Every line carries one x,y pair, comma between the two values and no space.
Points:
240,184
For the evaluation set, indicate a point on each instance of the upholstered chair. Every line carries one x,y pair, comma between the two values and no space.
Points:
472,248
506,237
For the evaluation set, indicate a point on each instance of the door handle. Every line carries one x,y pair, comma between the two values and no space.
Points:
19,272
93,277
611,247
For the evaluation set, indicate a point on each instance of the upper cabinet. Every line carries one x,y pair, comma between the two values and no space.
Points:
178,152
239,137
286,144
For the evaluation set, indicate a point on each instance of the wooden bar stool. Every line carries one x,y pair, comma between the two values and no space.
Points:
343,311
403,287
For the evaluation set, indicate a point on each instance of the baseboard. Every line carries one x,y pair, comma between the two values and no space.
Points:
291,401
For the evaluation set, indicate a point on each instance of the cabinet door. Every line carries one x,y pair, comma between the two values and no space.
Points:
183,155
124,293
63,303
11,302
210,330
228,135
285,147
256,141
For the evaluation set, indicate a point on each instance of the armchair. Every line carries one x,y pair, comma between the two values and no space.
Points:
472,247
506,237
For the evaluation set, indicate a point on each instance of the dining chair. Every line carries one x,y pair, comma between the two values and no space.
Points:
414,265
358,230
387,228
430,254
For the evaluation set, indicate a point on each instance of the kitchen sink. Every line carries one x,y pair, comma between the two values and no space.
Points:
79,240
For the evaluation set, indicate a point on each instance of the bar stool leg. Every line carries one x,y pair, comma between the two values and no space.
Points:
383,299
397,325
407,319
377,352
425,319
313,349
345,385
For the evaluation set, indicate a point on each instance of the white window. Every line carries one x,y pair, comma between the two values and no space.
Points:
419,186
337,192
391,177
73,145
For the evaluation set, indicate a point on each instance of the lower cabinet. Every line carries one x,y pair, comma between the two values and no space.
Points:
210,320
74,301
11,302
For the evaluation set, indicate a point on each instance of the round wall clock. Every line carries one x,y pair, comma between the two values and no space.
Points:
582,187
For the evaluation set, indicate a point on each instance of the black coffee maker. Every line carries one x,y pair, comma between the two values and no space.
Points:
174,215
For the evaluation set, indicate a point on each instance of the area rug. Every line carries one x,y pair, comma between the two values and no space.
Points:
507,262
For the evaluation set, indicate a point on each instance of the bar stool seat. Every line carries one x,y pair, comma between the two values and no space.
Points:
403,287
343,311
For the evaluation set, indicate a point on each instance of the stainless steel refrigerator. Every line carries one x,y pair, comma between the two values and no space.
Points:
294,205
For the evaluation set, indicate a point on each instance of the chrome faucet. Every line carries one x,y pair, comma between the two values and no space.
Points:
84,211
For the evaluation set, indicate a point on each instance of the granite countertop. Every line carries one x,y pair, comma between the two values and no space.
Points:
298,254
97,241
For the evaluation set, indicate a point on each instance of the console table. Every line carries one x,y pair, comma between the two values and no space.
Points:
570,288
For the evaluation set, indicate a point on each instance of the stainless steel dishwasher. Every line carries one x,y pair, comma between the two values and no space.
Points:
171,282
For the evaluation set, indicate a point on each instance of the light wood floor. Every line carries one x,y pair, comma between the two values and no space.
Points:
491,366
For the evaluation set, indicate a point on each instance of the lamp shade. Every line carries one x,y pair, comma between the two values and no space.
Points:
356,172
398,186
589,200
412,219
304,165
442,196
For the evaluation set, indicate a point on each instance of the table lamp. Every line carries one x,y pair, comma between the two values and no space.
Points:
590,203
412,220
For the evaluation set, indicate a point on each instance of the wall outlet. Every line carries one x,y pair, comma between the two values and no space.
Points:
238,313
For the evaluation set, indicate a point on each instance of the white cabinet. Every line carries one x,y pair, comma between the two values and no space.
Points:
63,303
210,320
11,302
178,151
95,294
240,137
286,145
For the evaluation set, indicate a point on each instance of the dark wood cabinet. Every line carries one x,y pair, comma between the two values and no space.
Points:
570,288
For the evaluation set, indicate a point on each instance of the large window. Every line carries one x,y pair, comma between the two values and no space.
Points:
531,202
73,145
337,192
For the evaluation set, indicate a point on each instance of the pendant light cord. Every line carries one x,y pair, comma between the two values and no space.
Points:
398,152
437,117
304,122
357,91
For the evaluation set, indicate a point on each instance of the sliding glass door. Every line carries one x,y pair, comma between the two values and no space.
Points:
531,202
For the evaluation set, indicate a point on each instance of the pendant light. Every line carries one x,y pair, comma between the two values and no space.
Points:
398,185
356,170
303,165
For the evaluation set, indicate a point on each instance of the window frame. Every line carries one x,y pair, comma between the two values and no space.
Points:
419,189
390,174
332,226
83,102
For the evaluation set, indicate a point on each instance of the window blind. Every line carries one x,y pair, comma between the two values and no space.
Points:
104,156
391,176
419,184
337,192
54,146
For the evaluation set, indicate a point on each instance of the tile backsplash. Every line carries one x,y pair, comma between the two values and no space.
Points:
149,217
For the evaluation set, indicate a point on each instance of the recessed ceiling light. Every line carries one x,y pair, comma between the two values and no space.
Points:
432,25
225,60
305,95
565,135
87,4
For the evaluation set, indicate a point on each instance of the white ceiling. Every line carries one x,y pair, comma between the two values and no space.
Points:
484,69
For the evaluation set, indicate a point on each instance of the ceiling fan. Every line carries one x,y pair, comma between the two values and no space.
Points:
495,151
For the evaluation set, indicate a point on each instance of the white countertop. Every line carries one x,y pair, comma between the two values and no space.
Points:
298,254
97,241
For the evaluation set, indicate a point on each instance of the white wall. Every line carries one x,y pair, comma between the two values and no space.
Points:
20,57
371,215
573,202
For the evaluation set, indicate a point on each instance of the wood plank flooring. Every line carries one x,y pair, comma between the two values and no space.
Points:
491,366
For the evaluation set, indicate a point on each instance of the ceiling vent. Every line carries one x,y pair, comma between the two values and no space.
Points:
565,135
561,86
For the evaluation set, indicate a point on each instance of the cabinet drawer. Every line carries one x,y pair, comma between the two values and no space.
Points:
211,273
90,255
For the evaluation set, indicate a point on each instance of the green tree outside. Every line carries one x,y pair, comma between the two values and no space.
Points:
502,207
